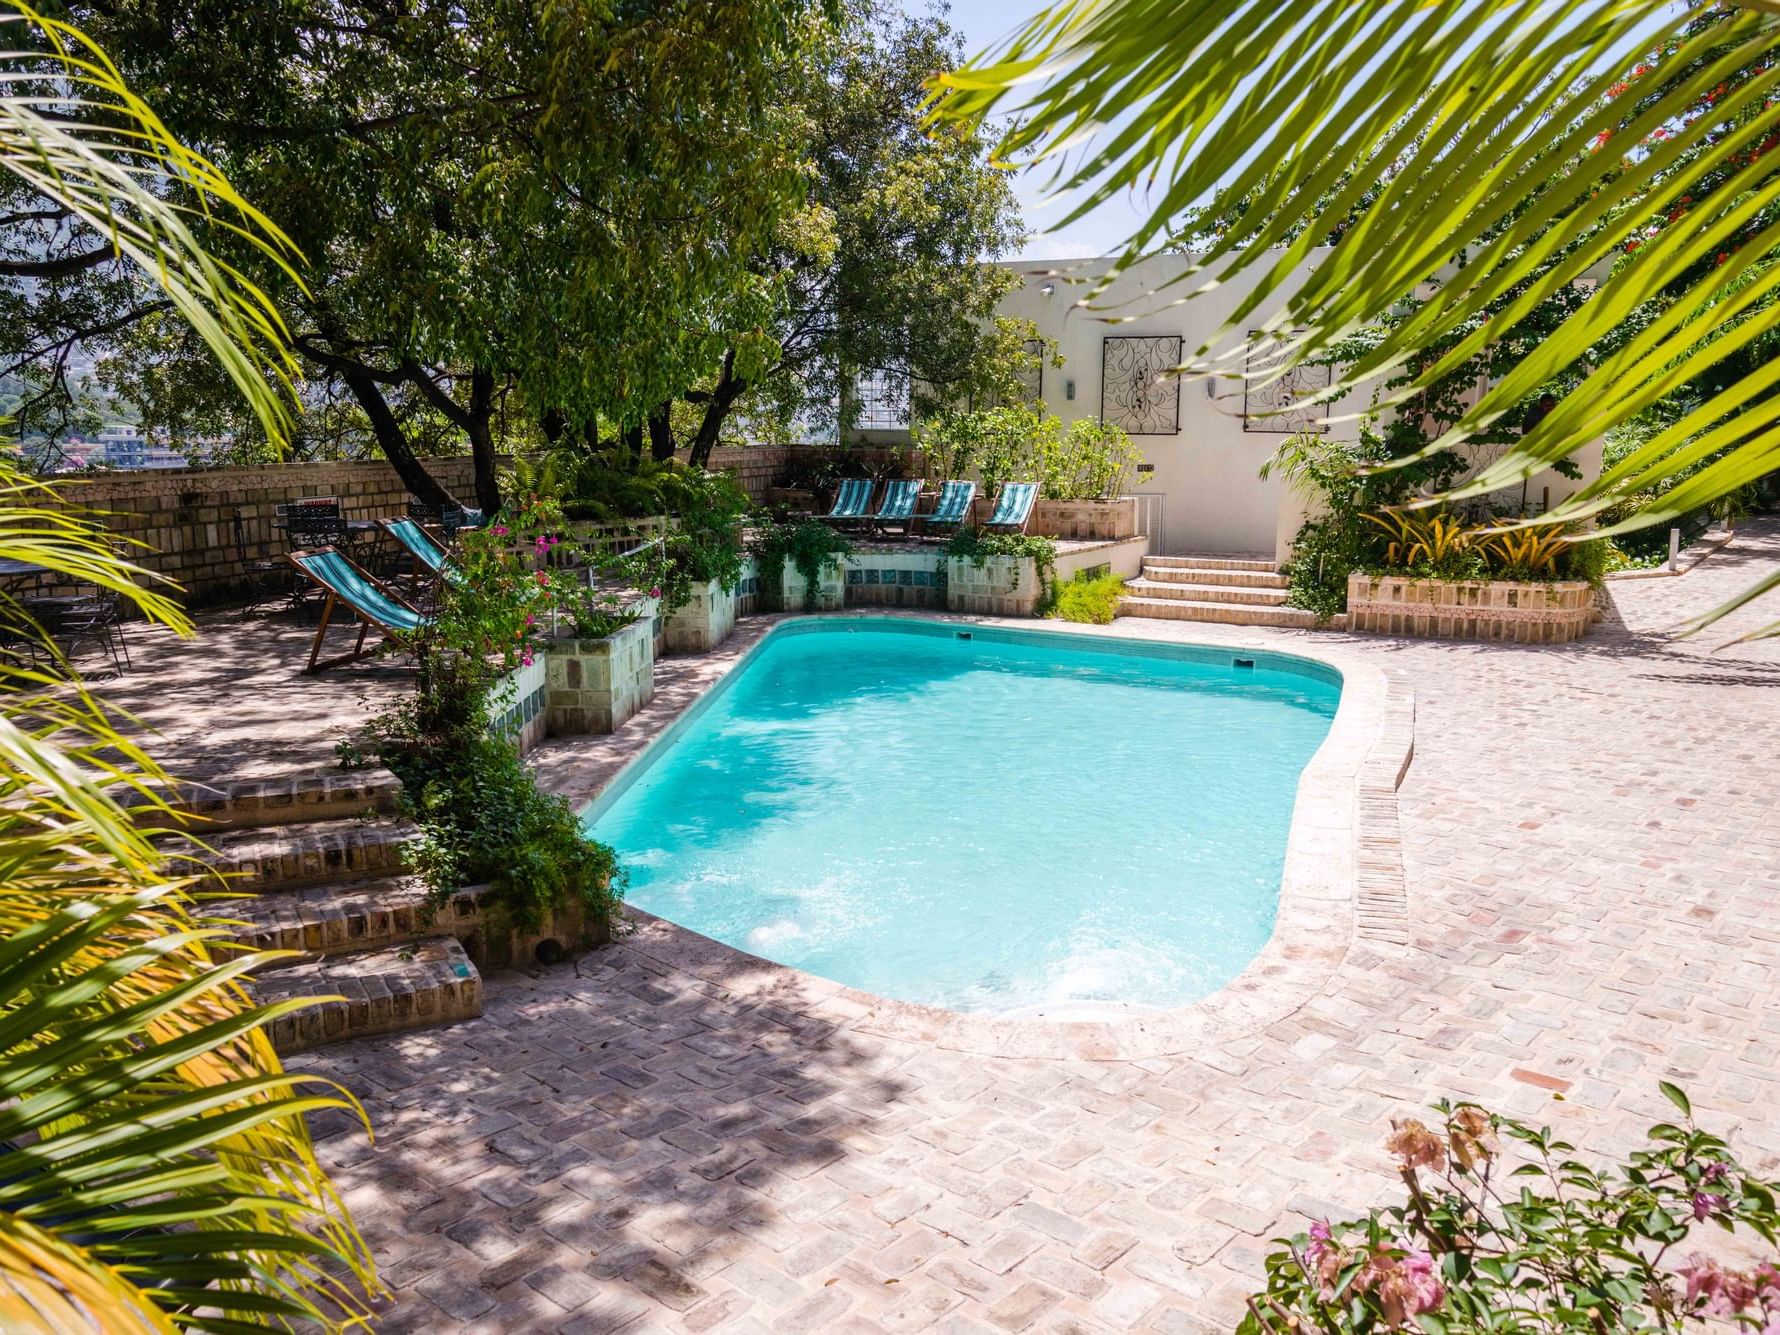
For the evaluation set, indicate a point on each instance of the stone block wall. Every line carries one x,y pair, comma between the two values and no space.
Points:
1087,521
184,517
703,623
1523,612
1003,586
596,686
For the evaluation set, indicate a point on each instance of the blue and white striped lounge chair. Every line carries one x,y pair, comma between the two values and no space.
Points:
898,505
952,508
371,603
1013,507
429,557
852,503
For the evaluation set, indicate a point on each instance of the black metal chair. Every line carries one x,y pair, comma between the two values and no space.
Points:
268,579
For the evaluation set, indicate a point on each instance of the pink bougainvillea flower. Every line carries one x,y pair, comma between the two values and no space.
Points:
500,531
1707,1203
1416,1146
1714,1291
655,592
1404,1288
525,658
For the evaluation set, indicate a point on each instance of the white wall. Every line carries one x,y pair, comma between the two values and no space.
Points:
1207,470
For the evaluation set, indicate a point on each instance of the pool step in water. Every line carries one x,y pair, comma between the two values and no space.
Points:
411,986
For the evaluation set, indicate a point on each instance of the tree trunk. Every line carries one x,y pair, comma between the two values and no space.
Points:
554,422
630,440
729,388
392,441
480,426
661,434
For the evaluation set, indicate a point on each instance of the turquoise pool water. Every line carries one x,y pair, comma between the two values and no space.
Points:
1014,822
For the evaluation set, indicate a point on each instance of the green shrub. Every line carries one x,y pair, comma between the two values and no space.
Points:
1091,600
808,544
1092,461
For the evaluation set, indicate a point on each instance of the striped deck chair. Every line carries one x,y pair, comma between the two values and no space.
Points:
952,508
429,557
371,603
898,505
1013,507
852,503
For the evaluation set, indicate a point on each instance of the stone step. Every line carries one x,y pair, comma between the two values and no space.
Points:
358,915
287,799
1250,579
283,857
1204,593
1235,614
1213,561
384,991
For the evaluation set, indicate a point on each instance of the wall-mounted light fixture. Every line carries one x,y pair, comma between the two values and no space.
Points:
1046,289
1069,390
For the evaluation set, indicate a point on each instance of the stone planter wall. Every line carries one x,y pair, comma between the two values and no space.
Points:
596,686
1523,612
493,941
831,589
703,623
516,705
1005,586
896,579
1088,521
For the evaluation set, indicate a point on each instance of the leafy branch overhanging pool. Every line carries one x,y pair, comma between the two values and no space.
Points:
1003,821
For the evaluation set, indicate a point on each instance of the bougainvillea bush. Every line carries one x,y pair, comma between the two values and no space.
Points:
1506,1231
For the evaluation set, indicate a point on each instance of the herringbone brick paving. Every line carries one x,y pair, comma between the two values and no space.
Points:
1592,854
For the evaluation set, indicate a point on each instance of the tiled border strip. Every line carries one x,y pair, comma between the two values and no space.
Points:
1319,893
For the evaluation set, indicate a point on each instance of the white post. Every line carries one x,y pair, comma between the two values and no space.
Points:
1674,548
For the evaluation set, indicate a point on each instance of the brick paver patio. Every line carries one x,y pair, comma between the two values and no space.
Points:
1592,853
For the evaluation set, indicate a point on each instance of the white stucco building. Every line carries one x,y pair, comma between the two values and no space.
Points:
1205,441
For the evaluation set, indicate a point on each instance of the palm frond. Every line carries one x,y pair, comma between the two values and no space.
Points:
72,129
1490,150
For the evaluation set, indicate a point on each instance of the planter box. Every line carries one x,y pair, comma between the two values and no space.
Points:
790,498
1002,586
704,623
596,686
516,705
831,588
1524,612
1085,521
493,941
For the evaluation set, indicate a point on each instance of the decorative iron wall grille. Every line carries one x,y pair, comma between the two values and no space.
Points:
883,398
1278,407
1137,390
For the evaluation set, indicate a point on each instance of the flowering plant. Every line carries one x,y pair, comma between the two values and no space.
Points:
1504,1230
519,582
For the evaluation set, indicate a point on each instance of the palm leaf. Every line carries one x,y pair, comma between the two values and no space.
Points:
1479,132
72,129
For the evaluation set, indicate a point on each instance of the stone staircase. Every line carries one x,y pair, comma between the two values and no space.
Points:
313,864
1238,590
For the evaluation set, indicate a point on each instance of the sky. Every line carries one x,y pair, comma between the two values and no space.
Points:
984,23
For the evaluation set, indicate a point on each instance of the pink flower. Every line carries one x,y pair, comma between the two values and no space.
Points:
1404,1288
500,531
543,579
1716,1291
1416,1146
655,592
525,657
1706,1204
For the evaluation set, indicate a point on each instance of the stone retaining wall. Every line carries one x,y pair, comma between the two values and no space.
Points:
596,686
184,517
1524,612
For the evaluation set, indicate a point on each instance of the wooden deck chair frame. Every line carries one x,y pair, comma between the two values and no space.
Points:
331,598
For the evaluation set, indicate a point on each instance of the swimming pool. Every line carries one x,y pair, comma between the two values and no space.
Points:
990,820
